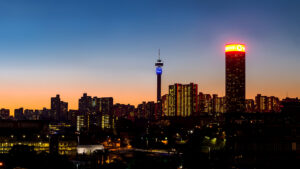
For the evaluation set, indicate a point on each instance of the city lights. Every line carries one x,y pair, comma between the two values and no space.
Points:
235,48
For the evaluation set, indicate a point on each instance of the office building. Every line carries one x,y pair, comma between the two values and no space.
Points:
106,110
235,77
183,99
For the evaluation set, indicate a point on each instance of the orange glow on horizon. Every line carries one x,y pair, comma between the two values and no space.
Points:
235,48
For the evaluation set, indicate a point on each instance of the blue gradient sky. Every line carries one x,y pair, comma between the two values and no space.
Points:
108,48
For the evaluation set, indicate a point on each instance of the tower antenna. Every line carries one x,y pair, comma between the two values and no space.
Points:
159,53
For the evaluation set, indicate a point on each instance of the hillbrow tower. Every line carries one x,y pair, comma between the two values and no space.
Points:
159,64
235,77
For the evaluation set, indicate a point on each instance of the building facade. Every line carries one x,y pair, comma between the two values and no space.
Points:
235,77
182,100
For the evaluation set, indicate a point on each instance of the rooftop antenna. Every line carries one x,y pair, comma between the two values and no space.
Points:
159,53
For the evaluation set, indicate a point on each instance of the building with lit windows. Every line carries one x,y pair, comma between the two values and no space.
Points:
96,112
165,105
38,145
89,109
250,106
265,104
80,122
55,128
219,104
204,103
235,77
34,134
211,104
106,110
183,99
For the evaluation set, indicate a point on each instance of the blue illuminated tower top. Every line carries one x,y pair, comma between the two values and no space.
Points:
159,64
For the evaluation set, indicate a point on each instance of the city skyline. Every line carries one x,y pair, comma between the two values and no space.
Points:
118,59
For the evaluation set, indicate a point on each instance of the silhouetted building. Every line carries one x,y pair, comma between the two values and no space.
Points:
146,110
46,114
28,114
59,109
291,107
235,77
72,117
4,114
85,104
124,111
19,114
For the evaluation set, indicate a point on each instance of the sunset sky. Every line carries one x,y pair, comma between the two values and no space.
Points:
108,48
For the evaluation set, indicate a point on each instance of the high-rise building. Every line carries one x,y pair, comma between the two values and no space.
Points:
183,99
59,109
175,99
159,64
106,109
85,104
235,77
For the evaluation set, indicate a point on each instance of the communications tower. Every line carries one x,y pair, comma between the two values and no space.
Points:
159,64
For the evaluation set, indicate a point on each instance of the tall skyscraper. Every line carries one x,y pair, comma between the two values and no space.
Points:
159,64
235,77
